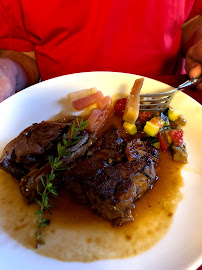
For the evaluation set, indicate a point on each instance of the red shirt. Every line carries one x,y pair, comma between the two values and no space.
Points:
69,36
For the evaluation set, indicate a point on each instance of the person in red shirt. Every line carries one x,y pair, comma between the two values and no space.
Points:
51,38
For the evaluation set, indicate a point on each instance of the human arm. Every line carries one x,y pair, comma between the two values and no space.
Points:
17,71
191,46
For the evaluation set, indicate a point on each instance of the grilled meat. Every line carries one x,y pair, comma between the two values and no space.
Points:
31,148
32,181
109,174
113,175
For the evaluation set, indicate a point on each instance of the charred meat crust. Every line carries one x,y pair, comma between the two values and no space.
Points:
32,181
109,180
31,148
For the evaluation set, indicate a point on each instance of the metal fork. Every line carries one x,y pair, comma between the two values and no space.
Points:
159,102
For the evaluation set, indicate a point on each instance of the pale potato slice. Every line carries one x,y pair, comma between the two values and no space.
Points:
80,94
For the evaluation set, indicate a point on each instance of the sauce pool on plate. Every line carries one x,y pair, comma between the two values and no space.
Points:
77,234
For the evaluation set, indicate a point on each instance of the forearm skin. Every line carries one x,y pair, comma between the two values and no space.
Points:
23,66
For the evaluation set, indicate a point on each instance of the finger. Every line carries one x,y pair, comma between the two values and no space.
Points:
195,71
193,58
195,52
189,64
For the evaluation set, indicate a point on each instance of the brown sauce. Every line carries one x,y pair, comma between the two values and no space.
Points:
78,234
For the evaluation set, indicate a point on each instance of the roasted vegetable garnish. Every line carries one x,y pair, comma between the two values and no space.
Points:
179,153
133,102
166,128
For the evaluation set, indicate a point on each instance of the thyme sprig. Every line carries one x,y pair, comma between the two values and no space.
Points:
44,205
49,187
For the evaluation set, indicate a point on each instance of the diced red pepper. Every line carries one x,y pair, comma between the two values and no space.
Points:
176,136
163,141
145,116
120,105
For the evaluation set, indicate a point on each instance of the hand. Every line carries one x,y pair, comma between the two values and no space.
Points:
193,62
8,74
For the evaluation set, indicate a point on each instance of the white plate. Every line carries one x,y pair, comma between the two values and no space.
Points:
181,248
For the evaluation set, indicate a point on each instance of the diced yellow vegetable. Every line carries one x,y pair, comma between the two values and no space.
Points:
151,129
173,114
153,126
157,121
156,145
130,128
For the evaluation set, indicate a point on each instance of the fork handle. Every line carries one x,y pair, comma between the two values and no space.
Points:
192,82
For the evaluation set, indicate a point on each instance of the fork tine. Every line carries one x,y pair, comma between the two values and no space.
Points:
153,105
160,109
159,94
153,95
154,100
